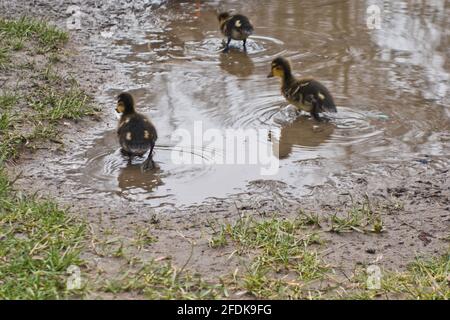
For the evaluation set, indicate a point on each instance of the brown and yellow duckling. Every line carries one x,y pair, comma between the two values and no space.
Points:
236,27
137,134
306,94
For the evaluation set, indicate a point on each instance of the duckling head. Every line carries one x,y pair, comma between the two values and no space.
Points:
280,67
222,16
125,103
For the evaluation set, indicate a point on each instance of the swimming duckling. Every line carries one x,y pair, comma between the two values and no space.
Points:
236,27
136,133
306,94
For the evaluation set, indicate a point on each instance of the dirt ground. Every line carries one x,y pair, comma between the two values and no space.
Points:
410,198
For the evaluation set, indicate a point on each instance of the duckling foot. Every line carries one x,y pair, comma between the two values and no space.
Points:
149,164
227,46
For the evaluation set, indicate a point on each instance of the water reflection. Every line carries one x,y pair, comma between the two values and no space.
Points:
415,37
302,133
132,177
237,63
390,85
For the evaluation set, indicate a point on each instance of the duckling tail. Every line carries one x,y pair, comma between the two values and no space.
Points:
242,23
246,28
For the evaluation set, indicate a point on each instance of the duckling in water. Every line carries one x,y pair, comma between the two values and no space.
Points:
236,27
136,133
306,94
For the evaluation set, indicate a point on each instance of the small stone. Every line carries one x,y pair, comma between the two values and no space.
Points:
371,250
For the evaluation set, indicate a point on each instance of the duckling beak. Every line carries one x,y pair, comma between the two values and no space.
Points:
270,75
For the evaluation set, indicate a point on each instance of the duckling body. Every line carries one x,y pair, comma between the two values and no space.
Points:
137,134
306,94
235,27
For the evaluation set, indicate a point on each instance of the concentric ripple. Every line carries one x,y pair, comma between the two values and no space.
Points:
387,94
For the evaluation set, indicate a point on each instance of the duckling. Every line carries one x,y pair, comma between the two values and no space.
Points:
236,27
306,94
136,132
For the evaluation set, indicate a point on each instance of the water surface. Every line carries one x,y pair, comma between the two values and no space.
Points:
390,85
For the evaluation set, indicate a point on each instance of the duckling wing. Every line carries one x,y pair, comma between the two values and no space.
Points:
312,92
240,24
137,134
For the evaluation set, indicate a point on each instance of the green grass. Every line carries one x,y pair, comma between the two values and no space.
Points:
4,57
6,119
15,32
33,115
38,243
360,217
39,35
425,279
283,258
159,281
50,105
38,240
53,105
283,261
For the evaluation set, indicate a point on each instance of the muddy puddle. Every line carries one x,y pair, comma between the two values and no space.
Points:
390,85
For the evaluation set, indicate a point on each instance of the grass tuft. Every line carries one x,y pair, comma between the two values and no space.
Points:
38,241
164,281
281,252
17,31
38,244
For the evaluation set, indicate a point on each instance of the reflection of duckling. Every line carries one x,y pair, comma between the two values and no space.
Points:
237,63
301,132
131,177
236,27
137,134
306,94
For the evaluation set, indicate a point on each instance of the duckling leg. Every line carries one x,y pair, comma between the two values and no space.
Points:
149,164
316,116
227,47
127,154
245,45
315,111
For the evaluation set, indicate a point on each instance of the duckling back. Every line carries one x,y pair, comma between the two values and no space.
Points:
309,95
325,101
136,134
238,27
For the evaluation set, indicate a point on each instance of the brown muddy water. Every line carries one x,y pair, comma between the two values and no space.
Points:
390,85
